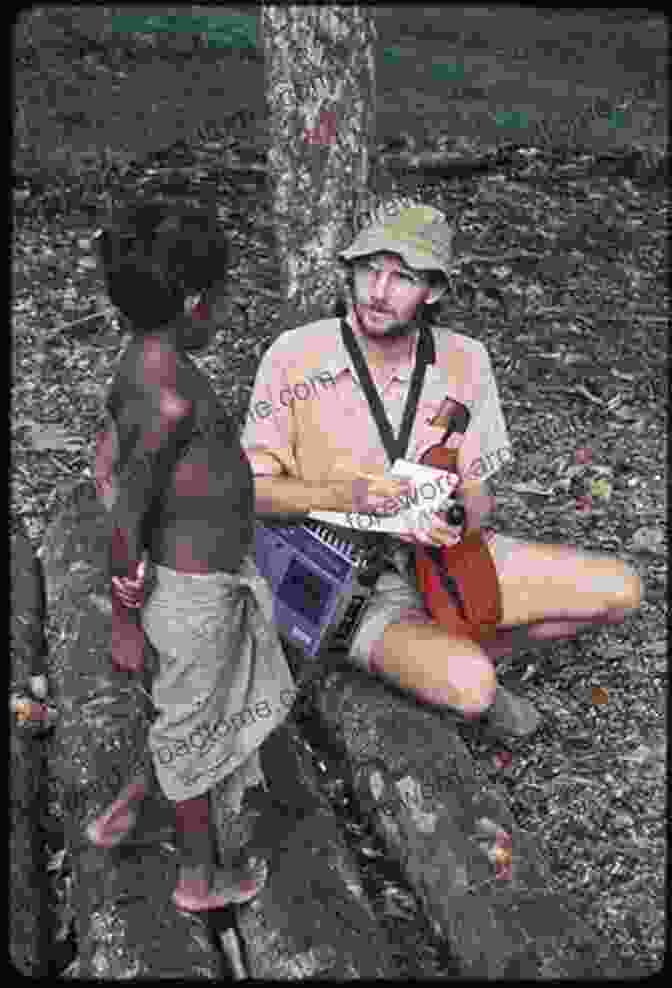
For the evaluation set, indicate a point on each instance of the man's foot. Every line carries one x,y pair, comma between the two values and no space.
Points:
116,823
194,893
510,717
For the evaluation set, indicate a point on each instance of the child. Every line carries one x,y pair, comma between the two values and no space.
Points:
171,470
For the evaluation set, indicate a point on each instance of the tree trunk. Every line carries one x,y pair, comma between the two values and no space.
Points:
320,90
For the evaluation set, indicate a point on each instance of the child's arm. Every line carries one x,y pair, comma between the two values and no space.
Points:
107,454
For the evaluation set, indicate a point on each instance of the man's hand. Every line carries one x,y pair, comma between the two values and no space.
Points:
375,494
438,532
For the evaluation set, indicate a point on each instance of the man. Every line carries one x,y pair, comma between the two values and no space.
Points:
326,453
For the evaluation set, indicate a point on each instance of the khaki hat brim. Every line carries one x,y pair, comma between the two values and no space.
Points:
416,256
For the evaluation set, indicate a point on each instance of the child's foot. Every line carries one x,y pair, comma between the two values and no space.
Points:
110,829
194,893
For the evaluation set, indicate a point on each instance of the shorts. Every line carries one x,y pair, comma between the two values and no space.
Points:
396,596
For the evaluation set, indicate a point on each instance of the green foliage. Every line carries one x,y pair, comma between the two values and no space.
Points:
512,118
237,31
447,70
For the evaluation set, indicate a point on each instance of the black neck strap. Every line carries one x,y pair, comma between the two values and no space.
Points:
425,354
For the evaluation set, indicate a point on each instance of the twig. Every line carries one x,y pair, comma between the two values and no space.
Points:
57,329
582,392
60,463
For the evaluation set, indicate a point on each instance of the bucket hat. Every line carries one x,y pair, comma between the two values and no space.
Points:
421,235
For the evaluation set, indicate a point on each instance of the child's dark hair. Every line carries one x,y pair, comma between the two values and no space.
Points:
154,254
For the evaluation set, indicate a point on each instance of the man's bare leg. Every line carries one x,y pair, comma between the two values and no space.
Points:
542,583
555,591
435,666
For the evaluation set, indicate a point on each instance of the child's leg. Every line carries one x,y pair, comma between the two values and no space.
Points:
195,840
233,821
201,885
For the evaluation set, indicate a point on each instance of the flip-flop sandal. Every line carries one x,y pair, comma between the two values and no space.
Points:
228,887
116,823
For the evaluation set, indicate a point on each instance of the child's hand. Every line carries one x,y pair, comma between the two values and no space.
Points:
131,592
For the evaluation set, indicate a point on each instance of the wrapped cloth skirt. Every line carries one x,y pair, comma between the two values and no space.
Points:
222,683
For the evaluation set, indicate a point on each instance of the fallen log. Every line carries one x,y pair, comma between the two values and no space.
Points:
28,899
483,881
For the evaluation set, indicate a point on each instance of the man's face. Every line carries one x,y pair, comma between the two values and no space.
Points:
387,294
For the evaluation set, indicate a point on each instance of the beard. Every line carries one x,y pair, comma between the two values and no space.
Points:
395,330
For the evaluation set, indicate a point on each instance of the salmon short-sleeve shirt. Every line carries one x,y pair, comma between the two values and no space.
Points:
309,419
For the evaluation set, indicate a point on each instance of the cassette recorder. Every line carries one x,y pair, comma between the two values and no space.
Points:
320,579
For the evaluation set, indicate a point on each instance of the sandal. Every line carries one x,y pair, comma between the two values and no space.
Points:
116,823
229,886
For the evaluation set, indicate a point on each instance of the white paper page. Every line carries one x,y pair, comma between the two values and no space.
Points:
432,488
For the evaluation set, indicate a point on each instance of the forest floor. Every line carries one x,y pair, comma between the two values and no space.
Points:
564,281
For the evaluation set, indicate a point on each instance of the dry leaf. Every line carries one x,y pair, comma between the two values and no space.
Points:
601,488
599,696
648,537
47,436
532,488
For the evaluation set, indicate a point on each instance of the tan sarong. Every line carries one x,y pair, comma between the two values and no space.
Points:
223,683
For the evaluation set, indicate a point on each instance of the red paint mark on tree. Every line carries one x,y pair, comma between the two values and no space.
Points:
326,130
583,455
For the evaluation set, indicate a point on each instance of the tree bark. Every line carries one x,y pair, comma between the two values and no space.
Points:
320,92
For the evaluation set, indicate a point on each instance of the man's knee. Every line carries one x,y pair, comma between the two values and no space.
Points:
470,685
474,677
460,673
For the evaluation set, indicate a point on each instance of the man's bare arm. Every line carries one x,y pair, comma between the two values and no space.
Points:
288,496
